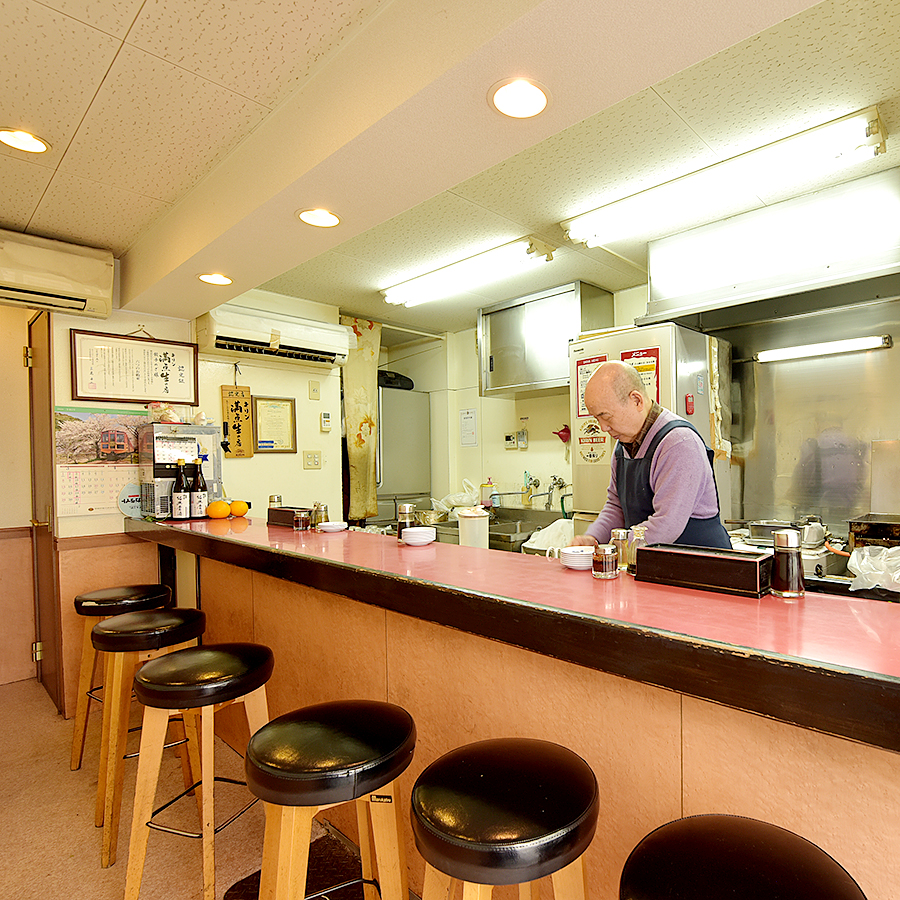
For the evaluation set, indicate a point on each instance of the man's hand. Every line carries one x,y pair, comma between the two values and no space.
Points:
583,540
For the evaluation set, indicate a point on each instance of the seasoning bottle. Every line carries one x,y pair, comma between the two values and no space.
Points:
619,539
787,568
198,492
181,498
406,517
605,562
302,520
638,540
274,500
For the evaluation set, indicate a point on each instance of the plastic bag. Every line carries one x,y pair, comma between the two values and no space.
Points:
875,567
468,496
557,534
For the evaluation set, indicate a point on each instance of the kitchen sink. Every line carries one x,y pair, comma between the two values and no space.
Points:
501,535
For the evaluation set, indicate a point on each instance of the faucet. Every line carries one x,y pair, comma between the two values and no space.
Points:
555,482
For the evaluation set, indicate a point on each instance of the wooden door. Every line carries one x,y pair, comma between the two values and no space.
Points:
43,524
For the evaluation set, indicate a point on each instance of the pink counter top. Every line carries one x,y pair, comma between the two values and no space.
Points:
826,662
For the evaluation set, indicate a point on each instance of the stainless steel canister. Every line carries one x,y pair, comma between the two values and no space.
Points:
406,517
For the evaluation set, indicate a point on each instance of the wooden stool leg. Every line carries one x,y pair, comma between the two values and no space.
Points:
153,735
208,771
476,891
256,709
530,890
192,754
364,827
271,851
570,883
85,683
437,884
390,852
120,673
100,805
293,851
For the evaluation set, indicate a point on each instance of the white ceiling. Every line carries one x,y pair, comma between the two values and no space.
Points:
186,133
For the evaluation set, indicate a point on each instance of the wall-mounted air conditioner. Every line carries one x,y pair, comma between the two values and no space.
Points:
37,273
234,332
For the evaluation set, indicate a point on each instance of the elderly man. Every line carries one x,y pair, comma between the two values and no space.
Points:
662,473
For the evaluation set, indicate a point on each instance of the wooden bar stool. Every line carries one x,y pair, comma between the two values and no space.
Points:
713,857
131,639
96,606
198,680
321,756
505,811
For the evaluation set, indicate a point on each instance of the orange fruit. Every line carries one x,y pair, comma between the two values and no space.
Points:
218,509
239,508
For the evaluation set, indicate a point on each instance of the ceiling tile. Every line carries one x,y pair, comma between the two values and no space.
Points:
262,51
157,129
830,60
114,17
96,215
50,68
21,185
630,146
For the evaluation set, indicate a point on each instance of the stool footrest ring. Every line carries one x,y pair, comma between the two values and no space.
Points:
337,887
197,834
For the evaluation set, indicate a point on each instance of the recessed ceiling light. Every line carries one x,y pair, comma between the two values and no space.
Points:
23,140
321,218
214,278
519,98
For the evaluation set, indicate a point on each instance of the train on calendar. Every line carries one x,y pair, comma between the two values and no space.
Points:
116,444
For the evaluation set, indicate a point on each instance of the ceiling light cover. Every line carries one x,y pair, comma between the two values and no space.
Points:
321,218
468,274
519,98
851,345
23,140
698,196
214,278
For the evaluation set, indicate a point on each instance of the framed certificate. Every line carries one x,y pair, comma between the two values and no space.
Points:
133,369
274,425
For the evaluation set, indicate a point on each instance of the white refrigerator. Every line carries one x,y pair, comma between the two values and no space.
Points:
685,371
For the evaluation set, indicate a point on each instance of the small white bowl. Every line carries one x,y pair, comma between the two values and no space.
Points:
331,526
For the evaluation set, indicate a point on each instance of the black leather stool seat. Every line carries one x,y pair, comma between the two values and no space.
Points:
715,857
151,629
504,811
329,753
202,676
128,598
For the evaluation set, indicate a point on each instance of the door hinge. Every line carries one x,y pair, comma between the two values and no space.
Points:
27,358
37,651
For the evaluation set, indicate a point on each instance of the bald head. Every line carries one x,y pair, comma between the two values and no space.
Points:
618,400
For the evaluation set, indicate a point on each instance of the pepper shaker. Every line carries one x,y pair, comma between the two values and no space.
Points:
406,517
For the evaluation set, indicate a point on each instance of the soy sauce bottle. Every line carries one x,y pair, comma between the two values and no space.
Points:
198,493
181,498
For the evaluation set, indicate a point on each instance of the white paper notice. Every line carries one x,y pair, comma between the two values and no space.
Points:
468,434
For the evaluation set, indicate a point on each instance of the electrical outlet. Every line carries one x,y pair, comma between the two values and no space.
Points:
312,459
509,441
314,391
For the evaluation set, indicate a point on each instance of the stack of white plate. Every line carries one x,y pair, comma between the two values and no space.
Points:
576,557
419,535
331,526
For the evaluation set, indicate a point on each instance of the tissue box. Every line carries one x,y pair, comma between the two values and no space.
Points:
742,572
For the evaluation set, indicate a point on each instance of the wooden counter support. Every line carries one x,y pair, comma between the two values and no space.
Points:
682,702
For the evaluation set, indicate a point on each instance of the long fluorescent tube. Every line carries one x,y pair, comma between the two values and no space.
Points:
845,141
462,276
872,342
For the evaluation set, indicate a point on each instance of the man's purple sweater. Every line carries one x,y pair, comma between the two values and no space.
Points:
681,480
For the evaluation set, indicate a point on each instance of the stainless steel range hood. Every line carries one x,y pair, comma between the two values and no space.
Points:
826,249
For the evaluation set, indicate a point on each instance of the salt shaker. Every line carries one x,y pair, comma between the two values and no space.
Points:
787,568
406,517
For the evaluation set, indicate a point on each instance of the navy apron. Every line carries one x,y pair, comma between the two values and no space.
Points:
636,496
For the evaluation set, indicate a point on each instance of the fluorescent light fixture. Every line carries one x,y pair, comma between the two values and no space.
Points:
519,98
826,148
462,276
23,140
321,218
214,278
829,348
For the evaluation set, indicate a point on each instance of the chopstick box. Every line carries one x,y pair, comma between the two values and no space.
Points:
284,515
742,572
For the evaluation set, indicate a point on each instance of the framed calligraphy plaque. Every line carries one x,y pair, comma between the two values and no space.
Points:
237,418
133,369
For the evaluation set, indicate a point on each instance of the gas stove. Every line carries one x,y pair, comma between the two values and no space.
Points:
818,559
